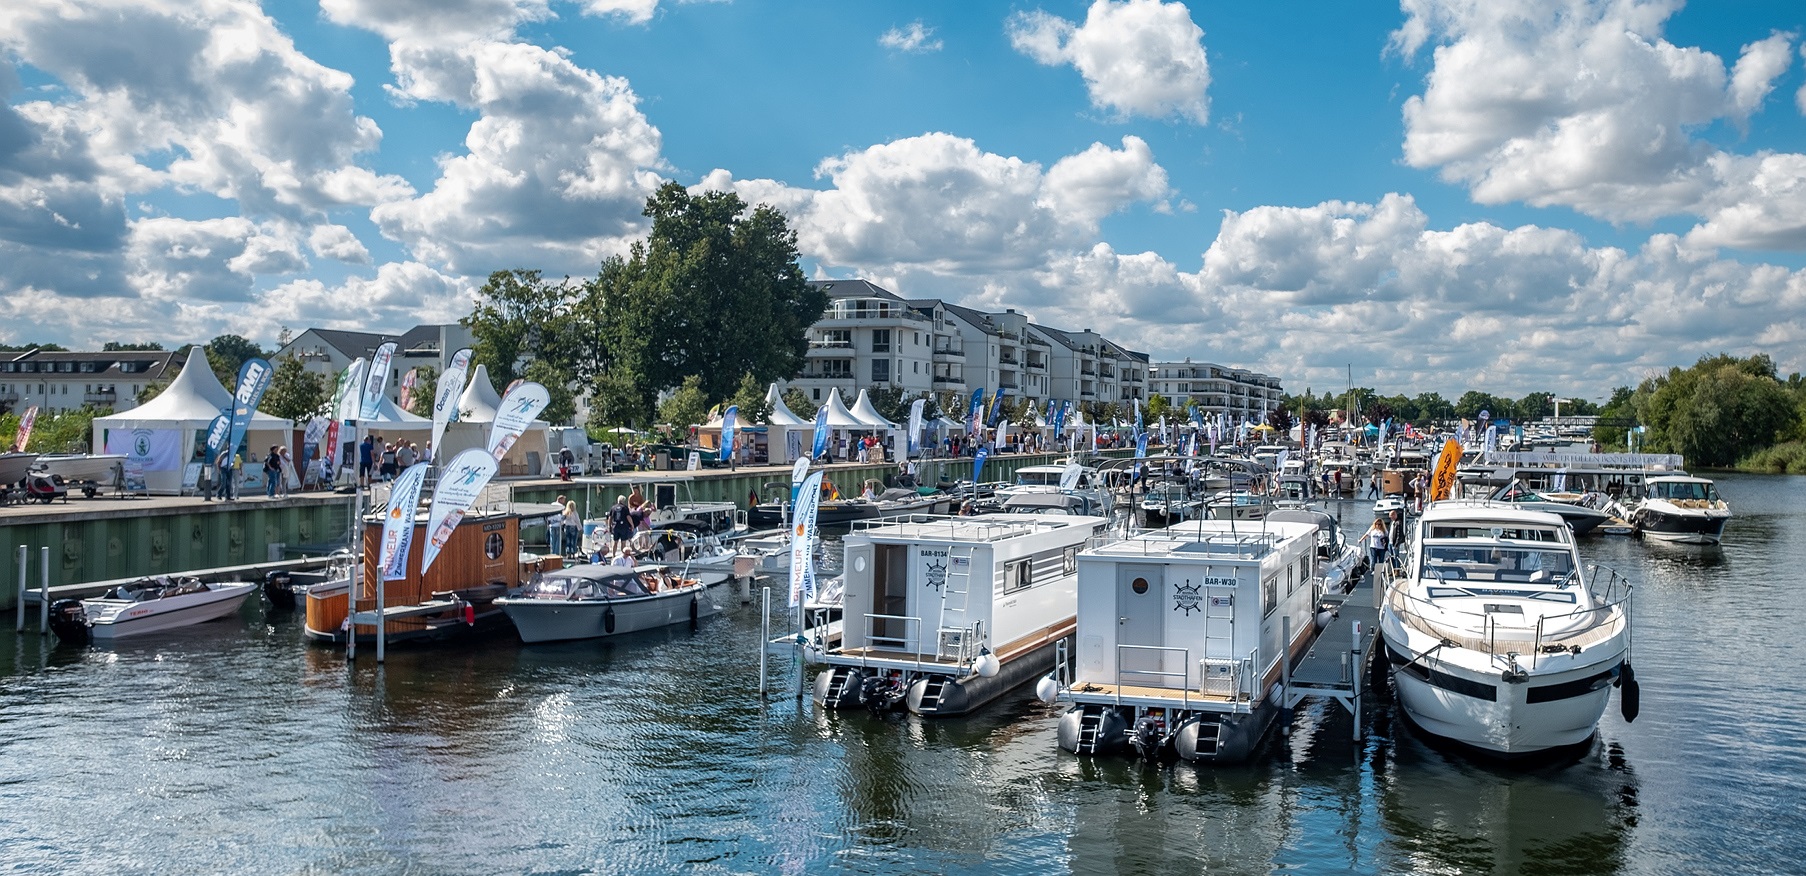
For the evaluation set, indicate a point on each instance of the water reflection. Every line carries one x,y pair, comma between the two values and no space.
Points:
1448,812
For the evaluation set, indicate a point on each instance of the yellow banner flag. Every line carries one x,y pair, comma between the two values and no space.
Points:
1448,462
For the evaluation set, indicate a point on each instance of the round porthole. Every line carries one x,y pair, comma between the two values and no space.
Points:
492,546
1139,585
859,564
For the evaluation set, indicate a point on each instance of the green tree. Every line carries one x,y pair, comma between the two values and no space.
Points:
712,292
226,353
749,396
686,407
517,320
295,393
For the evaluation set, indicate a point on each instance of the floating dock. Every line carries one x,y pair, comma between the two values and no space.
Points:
1335,667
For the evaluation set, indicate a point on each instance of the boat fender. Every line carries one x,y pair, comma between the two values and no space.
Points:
608,620
1630,697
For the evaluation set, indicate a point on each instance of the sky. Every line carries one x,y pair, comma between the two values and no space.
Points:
1545,195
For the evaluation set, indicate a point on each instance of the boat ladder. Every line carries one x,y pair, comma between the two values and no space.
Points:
932,691
952,632
1091,726
837,686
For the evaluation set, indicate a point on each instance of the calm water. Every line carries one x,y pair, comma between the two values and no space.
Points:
238,749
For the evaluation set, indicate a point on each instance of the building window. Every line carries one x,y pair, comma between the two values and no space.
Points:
880,370
880,340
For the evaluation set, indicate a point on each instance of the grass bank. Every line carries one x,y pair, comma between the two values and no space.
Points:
1788,458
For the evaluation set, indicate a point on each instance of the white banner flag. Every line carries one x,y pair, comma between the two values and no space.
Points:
398,522
460,482
518,408
445,400
802,540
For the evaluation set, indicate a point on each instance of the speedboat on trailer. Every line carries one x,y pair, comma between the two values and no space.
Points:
1180,636
1682,509
1496,638
149,605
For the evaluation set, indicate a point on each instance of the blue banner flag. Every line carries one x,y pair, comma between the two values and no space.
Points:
727,432
819,450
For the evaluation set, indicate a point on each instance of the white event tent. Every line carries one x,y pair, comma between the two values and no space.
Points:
530,455
161,435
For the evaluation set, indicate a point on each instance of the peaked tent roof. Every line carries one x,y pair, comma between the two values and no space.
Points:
195,396
838,415
479,402
862,408
781,415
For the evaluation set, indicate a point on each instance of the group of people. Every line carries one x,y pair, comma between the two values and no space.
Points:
388,459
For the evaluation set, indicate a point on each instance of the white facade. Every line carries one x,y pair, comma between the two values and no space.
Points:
1216,389
58,381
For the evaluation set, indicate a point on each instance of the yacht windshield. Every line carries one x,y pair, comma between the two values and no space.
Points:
1683,491
1488,563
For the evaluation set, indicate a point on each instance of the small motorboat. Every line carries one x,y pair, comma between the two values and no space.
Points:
148,605
592,601
88,472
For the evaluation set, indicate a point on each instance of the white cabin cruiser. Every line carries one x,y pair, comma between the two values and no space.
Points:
945,614
149,605
592,601
1496,638
1180,636
1682,509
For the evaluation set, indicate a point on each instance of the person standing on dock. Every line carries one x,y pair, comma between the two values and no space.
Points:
223,465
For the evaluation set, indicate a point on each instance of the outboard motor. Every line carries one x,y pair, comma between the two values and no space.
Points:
69,621
279,589
1148,737
883,692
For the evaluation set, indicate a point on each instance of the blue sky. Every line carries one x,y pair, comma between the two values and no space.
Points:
1443,194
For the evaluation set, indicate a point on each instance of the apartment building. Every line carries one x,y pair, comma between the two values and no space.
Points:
1216,389
65,381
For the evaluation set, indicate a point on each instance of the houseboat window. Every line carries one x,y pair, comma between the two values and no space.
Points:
1019,575
1139,585
1269,594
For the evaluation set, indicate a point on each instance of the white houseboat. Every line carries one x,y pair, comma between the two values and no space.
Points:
1180,636
944,614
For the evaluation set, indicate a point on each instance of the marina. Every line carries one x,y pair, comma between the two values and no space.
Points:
372,768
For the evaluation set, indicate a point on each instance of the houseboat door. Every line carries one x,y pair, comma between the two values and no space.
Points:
1140,600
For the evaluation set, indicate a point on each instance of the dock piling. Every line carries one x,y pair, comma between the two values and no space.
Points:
764,636
19,607
44,591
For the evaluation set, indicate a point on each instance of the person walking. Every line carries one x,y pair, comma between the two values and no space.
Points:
1376,542
228,489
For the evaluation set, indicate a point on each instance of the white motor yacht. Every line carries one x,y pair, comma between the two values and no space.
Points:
1682,509
1497,639
150,605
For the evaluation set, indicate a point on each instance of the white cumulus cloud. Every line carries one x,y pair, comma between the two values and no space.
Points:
1138,57
1585,104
